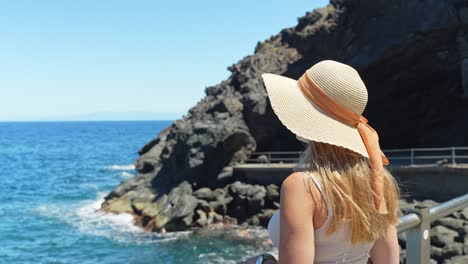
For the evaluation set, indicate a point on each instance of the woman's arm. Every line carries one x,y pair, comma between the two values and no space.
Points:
386,249
296,221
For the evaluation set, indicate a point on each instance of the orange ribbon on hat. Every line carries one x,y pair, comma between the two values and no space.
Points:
369,136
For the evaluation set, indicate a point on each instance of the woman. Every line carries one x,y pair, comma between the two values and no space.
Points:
341,204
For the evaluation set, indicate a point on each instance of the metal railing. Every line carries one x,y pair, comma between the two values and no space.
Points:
417,156
417,226
274,157
397,157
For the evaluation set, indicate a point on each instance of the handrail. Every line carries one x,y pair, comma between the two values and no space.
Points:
449,207
417,228
428,149
277,152
413,156
436,212
408,221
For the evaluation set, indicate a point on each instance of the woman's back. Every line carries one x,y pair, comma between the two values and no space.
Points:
333,248
323,108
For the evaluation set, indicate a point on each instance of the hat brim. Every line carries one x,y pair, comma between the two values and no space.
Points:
303,118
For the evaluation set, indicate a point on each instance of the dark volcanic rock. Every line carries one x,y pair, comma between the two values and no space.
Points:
449,238
442,236
247,200
458,260
410,64
204,193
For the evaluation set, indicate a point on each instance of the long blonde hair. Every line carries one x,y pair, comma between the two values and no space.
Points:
345,176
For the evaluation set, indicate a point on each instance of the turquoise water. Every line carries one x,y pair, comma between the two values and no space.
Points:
54,176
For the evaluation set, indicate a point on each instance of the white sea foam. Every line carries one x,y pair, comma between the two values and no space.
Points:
93,221
49,210
88,186
88,219
121,167
126,175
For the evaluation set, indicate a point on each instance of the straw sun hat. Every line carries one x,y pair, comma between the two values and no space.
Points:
306,119
325,104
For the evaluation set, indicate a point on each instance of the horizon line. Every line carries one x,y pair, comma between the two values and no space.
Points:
103,120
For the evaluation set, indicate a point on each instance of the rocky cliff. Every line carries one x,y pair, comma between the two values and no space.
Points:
406,51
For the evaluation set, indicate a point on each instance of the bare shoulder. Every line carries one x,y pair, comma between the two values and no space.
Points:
298,181
297,186
294,180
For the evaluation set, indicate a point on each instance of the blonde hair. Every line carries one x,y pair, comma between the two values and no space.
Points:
345,176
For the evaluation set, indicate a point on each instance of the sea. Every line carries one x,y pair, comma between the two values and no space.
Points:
54,177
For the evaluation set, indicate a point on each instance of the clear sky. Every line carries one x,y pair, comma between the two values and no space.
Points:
68,58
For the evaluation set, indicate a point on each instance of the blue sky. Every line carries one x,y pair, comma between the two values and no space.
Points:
65,59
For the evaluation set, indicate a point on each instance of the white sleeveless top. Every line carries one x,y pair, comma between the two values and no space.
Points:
335,248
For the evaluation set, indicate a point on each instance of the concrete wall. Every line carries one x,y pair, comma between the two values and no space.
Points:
437,183
262,174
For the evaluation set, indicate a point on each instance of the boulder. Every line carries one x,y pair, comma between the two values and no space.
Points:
174,210
204,193
202,220
203,205
451,250
452,223
221,204
457,260
464,214
247,200
265,216
402,239
272,194
402,256
442,236
437,253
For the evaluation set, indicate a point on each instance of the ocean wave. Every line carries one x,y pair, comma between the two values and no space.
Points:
121,167
93,221
126,175
88,186
88,219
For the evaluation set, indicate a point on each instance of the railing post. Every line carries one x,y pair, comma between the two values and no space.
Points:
412,156
418,240
453,156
